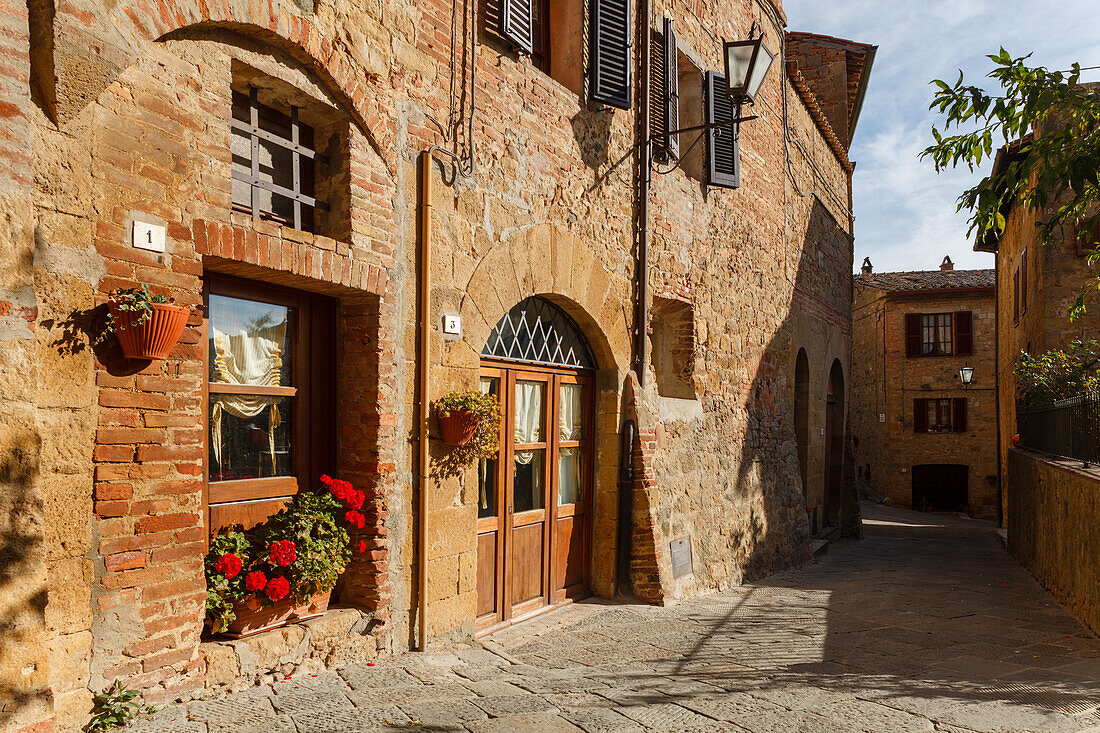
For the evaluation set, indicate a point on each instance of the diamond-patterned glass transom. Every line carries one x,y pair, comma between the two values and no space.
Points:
538,331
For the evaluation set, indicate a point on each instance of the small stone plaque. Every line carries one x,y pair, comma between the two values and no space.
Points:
681,557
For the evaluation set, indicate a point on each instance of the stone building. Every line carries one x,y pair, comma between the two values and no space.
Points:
403,194
922,436
1036,287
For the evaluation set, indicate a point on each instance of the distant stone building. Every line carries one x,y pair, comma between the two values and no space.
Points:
923,439
366,206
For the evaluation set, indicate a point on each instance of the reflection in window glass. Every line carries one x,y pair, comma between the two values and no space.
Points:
487,467
527,484
249,437
250,342
569,475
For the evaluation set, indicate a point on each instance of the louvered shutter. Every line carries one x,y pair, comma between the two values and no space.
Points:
722,164
516,23
958,414
964,336
609,53
920,415
672,93
912,334
1023,282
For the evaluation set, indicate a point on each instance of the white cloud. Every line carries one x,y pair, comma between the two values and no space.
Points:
905,212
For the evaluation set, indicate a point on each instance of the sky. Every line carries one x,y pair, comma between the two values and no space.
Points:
905,211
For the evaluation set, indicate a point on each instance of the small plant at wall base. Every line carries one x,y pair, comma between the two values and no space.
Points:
115,707
1058,374
146,323
292,559
470,420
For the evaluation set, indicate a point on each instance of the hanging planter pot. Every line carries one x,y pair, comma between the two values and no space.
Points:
150,336
458,426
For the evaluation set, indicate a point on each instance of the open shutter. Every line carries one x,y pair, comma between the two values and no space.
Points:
964,333
609,65
920,415
723,167
672,94
958,414
912,334
1023,282
516,23
658,91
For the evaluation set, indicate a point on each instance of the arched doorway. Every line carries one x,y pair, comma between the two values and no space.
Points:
834,444
535,496
802,417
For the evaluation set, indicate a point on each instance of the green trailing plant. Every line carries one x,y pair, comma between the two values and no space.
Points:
486,408
299,553
1058,374
130,300
1052,125
116,706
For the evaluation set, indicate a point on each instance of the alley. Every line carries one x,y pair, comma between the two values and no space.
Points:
927,624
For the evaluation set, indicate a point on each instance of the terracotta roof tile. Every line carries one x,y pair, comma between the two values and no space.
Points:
928,280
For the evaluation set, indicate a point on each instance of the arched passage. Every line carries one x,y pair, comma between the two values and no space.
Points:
802,416
834,444
535,495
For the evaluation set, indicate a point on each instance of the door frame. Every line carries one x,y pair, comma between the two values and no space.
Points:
508,373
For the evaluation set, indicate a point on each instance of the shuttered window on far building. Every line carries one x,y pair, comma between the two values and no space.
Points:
940,415
609,54
723,166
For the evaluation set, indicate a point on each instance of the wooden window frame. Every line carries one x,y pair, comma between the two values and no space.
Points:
254,132
914,346
313,393
956,410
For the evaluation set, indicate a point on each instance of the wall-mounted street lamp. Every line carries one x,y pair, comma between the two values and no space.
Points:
966,375
747,63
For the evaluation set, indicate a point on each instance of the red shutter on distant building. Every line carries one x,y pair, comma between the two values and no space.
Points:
912,334
920,415
958,414
964,334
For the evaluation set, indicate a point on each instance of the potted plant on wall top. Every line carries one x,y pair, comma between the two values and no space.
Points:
146,323
283,570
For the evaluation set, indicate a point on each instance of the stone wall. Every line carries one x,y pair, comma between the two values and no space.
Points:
105,458
885,382
1054,528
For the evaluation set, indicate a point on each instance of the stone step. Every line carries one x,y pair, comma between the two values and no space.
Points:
820,547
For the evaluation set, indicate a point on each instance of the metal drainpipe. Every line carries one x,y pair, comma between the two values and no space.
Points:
645,178
999,514
424,406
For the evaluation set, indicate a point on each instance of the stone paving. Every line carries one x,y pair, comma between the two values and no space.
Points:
925,625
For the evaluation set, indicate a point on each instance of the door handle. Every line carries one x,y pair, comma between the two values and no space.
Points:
509,508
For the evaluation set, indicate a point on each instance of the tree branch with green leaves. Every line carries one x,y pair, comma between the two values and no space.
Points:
1051,124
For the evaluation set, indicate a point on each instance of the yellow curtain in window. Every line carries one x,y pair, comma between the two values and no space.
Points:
248,358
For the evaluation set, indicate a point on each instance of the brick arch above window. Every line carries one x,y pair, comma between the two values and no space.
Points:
277,23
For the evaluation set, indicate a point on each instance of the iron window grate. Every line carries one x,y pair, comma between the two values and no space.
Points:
535,330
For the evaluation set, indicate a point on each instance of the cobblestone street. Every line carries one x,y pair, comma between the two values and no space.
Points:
927,624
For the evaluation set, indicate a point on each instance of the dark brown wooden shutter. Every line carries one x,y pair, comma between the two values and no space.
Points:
1016,296
964,334
958,414
516,23
609,52
1023,282
912,334
723,167
672,90
920,415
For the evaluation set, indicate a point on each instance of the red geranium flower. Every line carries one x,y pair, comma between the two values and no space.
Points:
277,588
255,580
355,519
362,545
228,565
354,499
283,552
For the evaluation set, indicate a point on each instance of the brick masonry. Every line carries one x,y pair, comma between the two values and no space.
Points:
104,458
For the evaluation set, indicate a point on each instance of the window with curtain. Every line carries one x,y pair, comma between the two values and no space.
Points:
570,450
527,491
936,335
487,467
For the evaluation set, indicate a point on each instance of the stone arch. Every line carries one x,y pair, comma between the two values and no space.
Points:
550,262
277,23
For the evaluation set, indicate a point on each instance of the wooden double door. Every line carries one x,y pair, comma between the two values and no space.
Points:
535,496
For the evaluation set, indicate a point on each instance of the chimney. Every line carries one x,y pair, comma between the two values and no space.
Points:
866,268
947,265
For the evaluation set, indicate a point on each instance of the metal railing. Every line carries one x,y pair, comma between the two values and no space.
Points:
1067,428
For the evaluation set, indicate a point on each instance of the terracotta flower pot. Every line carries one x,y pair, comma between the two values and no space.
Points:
458,426
251,621
154,337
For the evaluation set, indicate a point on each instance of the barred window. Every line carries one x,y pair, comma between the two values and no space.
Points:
274,165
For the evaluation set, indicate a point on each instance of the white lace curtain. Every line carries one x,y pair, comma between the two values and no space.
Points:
528,427
248,358
570,427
